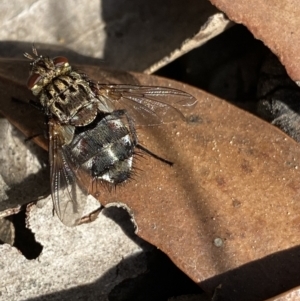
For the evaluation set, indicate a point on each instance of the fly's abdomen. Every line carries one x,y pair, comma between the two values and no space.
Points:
104,148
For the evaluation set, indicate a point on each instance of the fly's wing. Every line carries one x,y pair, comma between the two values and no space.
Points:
148,105
68,198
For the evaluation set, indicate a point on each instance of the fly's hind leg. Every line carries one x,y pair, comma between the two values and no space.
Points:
135,139
147,151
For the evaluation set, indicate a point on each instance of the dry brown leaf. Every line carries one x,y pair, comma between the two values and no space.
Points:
227,212
275,22
291,295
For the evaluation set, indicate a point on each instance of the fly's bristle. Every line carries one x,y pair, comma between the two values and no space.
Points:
103,184
135,172
138,155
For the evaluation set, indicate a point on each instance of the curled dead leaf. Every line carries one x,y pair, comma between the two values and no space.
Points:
234,179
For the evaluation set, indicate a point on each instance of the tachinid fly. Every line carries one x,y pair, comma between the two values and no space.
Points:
92,127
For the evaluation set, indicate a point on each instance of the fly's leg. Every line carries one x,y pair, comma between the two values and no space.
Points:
135,139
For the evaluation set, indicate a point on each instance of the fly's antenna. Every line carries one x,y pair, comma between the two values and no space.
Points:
34,50
35,53
28,56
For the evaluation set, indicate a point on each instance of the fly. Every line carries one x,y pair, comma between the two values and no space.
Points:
92,127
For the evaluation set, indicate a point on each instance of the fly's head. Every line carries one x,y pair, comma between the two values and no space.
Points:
44,69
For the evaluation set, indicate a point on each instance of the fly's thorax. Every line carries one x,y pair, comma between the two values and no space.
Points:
44,70
71,99
65,94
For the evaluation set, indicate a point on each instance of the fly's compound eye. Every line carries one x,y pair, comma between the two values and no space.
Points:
60,61
33,80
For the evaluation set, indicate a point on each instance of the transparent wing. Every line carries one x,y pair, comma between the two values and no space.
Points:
148,105
68,198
